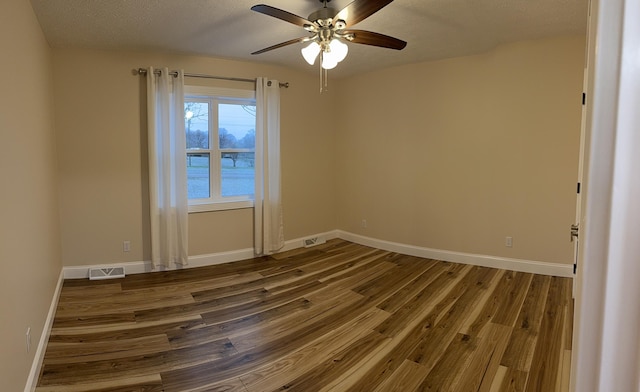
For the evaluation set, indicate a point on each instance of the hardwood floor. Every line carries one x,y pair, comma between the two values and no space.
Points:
335,317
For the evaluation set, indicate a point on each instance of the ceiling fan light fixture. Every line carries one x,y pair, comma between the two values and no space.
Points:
310,52
331,31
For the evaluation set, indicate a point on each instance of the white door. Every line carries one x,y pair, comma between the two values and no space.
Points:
579,219
583,158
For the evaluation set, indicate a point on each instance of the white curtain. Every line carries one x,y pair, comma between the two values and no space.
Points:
167,168
269,232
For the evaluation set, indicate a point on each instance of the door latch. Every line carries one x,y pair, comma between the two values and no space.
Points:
574,232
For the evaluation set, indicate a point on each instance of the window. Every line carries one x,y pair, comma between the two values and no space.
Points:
220,131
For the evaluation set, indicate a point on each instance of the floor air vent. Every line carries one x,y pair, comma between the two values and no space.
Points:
308,242
106,273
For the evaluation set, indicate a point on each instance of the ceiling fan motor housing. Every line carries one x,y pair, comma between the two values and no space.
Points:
322,14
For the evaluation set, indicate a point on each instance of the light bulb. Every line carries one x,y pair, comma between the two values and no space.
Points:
339,49
310,52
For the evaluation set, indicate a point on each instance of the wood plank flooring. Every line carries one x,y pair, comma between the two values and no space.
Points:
335,317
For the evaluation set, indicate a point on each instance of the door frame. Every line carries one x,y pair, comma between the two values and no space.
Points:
606,340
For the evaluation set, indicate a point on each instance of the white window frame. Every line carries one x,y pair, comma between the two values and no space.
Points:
215,95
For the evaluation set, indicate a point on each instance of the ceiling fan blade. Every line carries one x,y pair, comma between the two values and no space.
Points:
280,45
359,10
281,14
375,39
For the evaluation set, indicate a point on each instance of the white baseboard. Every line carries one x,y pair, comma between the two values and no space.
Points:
139,267
38,358
299,242
82,272
536,267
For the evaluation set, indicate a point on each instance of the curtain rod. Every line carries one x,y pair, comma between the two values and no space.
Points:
142,71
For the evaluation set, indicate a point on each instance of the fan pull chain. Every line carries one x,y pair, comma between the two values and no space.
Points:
320,67
324,82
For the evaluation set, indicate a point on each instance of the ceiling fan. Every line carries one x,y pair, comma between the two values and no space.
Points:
329,29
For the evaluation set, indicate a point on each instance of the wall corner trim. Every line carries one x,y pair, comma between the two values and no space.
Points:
520,265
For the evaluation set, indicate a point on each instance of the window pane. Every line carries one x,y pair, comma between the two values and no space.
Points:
198,181
237,173
196,124
236,125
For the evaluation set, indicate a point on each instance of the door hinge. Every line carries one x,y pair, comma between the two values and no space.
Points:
584,98
574,232
578,188
575,268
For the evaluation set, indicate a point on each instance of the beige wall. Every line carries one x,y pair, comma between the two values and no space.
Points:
100,122
460,153
453,154
29,237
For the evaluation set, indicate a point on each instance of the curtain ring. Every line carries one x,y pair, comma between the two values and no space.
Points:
269,83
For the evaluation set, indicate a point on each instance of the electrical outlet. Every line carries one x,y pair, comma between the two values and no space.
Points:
364,223
508,242
126,246
28,336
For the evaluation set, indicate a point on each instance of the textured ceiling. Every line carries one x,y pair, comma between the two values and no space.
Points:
434,29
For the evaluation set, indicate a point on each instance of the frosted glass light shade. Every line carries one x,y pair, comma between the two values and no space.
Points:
328,61
310,52
339,49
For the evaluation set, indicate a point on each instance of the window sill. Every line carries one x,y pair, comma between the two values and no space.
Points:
221,206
